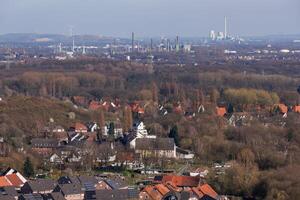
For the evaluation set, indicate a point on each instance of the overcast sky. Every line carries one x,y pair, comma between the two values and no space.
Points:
150,17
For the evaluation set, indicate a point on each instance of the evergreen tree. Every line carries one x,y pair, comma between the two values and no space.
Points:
111,129
174,134
28,168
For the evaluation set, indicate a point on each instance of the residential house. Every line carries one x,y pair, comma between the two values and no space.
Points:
129,159
4,148
281,109
44,146
179,187
161,147
126,194
139,131
221,111
92,126
95,105
184,154
239,119
31,197
54,196
177,108
137,109
113,183
62,137
79,100
71,191
79,128
58,129
157,192
205,192
12,178
56,159
8,193
41,186
296,109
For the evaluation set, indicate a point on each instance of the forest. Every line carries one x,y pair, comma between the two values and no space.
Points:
264,151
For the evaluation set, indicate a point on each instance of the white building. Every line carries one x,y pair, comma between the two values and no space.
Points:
139,131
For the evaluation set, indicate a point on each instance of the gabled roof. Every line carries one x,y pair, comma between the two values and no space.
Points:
4,181
31,197
95,105
41,185
115,183
203,190
70,189
166,144
116,194
296,109
181,181
44,143
282,108
153,193
79,126
14,179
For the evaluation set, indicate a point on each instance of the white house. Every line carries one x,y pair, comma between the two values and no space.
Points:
139,131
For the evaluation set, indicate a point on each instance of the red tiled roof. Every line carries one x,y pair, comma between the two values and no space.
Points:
162,189
182,181
80,126
4,181
14,179
296,109
283,108
153,193
11,180
207,190
221,111
140,110
95,105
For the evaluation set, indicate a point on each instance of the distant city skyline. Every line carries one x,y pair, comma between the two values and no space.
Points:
119,18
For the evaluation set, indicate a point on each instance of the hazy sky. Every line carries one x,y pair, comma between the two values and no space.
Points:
150,17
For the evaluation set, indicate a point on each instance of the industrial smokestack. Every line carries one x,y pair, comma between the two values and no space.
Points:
225,27
132,42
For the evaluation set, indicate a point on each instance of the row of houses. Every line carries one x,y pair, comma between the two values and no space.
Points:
179,187
275,115
74,146
107,104
65,188
163,187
